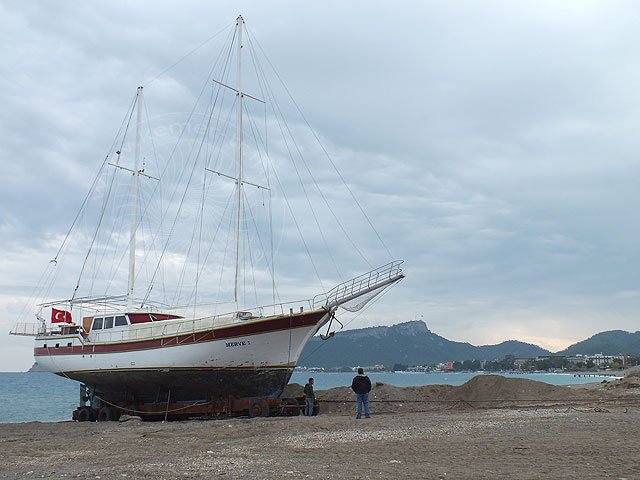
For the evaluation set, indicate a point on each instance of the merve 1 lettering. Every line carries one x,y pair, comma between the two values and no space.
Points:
241,343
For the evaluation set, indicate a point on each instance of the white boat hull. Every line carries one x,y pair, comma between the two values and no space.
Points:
254,358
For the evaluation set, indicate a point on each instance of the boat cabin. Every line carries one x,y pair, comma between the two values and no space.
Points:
106,322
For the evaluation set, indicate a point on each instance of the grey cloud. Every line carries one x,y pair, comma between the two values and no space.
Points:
494,146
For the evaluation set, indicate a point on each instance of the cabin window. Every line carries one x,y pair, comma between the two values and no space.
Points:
57,345
97,324
69,344
108,322
121,320
44,346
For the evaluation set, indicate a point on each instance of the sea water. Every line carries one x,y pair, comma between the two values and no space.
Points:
45,397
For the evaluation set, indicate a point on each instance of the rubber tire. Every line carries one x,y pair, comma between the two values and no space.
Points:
105,414
84,414
292,407
258,408
115,414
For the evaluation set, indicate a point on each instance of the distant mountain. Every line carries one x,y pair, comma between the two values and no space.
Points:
613,342
410,343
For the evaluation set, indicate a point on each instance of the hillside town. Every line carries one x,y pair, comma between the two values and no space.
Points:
545,363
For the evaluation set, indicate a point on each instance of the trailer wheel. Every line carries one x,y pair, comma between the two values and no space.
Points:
291,407
83,414
259,408
115,414
105,414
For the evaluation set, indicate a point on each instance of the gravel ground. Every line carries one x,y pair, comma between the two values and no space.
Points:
535,431
475,444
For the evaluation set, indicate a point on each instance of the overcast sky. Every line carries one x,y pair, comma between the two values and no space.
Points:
495,144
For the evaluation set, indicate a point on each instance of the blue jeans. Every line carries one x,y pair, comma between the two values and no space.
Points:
363,399
308,410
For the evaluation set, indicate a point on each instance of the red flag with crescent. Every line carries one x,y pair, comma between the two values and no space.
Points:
60,316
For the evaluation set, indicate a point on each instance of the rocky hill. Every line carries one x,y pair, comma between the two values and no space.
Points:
613,342
410,343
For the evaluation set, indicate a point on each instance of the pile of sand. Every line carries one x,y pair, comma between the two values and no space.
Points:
633,372
482,391
629,385
495,391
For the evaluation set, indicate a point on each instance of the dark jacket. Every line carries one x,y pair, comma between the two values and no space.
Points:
361,384
308,390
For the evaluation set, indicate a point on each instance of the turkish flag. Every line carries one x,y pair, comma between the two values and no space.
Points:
60,316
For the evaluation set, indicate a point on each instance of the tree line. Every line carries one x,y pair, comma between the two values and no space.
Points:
544,364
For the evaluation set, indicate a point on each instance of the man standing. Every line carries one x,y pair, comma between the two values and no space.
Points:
309,397
361,385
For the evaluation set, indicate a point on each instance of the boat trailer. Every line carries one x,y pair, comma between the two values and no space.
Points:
232,406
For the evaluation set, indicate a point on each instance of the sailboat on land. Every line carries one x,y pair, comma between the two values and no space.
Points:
169,336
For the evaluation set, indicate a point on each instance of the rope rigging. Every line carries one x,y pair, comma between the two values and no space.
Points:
206,144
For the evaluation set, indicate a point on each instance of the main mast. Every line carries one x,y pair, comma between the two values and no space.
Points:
239,95
134,202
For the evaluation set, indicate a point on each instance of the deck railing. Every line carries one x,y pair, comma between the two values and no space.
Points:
26,329
340,294
360,285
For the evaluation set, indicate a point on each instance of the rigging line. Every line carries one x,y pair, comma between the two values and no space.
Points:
316,184
106,201
366,307
322,235
144,222
246,226
259,143
127,119
215,235
190,116
119,215
253,60
117,232
189,54
201,213
220,94
304,191
114,232
197,157
95,235
161,207
213,101
279,115
32,297
295,222
226,249
327,154
252,52
222,134
182,132
253,131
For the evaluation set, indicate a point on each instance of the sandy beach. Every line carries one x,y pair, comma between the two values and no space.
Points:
534,431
